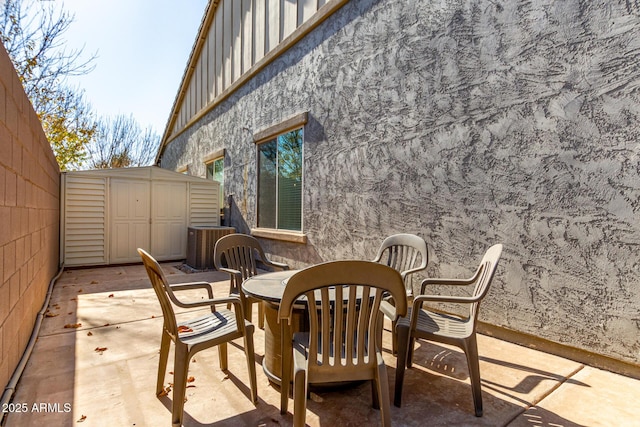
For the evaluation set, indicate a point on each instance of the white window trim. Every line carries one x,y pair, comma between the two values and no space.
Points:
292,123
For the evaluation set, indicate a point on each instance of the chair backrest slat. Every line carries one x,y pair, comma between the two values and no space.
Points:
241,252
485,273
162,289
343,299
403,252
313,326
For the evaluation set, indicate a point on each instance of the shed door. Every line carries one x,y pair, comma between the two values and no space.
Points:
169,220
129,219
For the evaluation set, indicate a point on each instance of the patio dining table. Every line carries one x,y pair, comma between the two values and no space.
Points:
269,287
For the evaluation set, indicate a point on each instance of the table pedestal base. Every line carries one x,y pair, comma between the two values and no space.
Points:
272,362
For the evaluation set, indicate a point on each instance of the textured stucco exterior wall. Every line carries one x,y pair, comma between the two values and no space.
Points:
468,122
29,218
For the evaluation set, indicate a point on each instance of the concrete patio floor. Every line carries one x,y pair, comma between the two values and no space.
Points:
103,373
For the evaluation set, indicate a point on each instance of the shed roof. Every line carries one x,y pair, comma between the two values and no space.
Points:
144,172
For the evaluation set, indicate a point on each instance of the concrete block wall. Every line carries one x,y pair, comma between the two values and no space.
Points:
29,217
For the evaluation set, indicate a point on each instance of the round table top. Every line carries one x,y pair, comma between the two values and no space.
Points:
267,286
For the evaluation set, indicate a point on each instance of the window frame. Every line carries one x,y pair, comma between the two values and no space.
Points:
210,159
296,122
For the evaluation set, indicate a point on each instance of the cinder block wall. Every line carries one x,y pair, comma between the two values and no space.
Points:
29,217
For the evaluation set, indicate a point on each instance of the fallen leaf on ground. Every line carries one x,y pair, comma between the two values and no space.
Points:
191,385
191,379
100,349
111,296
82,418
72,325
184,329
73,299
106,324
80,290
89,334
165,391
50,314
94,282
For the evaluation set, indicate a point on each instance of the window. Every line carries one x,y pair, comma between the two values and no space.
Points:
280,181
215,172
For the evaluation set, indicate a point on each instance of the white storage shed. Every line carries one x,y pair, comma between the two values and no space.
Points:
107,214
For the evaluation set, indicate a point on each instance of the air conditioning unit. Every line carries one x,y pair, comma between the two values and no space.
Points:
200,244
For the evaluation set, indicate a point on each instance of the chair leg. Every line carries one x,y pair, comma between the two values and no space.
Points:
394,338
285,371
223,356
181,370
404,354
411,346
300,387
251,362
246,306
375,396
165,342
260,315
471,351
382,385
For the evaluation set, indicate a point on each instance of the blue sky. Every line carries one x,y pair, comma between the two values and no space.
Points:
142,46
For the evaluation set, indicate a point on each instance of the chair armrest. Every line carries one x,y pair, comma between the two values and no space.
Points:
278,265
212,302
405,273
449,282
231,271
190,286
235,275
417,301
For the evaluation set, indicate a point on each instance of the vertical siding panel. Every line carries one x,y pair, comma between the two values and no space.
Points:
196,85
259,30
227,42
273,24
236,62
189,103
306,9
219,51
211,67
242,32
183,113
289,17
247,35
186,105
204,63
194,98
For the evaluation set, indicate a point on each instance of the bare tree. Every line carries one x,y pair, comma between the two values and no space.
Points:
120,142
31,33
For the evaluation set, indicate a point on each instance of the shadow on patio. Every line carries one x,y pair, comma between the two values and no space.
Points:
105,369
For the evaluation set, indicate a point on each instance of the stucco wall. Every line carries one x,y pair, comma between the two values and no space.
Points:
469,123
29,217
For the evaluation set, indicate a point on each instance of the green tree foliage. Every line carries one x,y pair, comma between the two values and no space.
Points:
31,34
